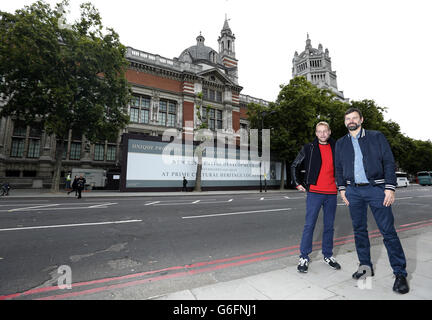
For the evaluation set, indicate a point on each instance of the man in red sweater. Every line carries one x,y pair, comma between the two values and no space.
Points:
317,158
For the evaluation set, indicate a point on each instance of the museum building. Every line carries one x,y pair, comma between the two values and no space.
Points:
164,96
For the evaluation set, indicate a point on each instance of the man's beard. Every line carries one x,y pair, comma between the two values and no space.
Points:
353,126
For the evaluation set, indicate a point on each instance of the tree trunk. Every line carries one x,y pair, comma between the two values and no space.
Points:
282,183
199,169
57,166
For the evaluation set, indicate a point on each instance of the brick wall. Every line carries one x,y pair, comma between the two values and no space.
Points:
154,81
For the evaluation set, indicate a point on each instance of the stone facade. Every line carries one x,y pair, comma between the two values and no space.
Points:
315,65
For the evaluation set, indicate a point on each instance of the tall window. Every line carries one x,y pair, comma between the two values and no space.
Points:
111,153
219,119
17,149
145,109
139,109
99,152
134,112
18,139
211,119
172,111
167,113
75,152
65,147
134,109
162,116
212,95
33,150
218,96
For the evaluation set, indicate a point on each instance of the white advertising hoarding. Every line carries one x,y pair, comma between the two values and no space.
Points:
148,167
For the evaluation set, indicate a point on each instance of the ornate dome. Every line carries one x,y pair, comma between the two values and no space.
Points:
199,52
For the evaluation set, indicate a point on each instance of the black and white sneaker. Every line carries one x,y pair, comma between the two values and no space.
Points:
332,263
303,265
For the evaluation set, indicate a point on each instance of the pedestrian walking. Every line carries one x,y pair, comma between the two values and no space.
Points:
74,186
80,185
185,182
317,157
68,181
5,189
366,176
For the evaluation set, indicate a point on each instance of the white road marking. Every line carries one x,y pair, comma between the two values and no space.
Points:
278,199
189,203
48,207
150,203
103,205
19,204
26,208
404,198
213,202
70,225
235,213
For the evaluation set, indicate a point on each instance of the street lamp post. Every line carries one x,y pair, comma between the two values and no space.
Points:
262,128
260,178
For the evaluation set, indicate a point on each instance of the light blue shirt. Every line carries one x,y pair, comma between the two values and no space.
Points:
359,172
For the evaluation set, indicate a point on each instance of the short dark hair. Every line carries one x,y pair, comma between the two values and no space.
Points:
351,110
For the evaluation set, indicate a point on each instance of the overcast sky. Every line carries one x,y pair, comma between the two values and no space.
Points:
380,49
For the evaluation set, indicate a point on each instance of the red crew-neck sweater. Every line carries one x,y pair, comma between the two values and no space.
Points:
326,181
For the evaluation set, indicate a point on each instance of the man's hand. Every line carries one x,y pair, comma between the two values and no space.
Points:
344,199
389,198
301,188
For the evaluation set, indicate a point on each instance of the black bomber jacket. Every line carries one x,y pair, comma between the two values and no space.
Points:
310,157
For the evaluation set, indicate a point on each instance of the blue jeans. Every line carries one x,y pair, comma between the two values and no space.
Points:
359,198
314,202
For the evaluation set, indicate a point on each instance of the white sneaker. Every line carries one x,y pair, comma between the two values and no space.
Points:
303,265
332,263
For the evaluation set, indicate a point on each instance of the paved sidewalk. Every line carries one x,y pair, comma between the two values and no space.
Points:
324,283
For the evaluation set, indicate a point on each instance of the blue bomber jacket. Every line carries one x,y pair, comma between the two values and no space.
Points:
378,160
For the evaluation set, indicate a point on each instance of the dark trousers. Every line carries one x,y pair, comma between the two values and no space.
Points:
314,202
359,198
79,193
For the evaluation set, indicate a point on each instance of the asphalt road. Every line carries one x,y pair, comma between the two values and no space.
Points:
164,242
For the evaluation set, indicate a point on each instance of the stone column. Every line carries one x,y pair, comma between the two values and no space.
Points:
86,153
179,119
3,141
46,160
154,107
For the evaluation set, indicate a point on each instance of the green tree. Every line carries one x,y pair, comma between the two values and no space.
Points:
63,77
201,135
298,108
410,155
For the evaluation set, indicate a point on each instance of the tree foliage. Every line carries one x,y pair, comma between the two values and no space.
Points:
410,155
300,106
293,117
63,77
